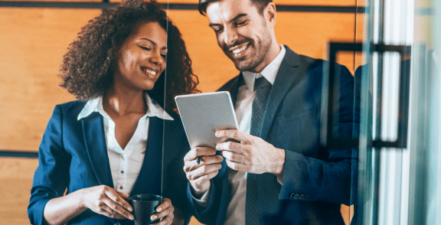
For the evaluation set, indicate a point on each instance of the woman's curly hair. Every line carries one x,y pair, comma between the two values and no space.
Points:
90,62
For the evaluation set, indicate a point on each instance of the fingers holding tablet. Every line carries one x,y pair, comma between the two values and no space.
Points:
200,174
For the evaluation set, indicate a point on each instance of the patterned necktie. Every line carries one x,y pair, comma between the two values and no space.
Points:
262,87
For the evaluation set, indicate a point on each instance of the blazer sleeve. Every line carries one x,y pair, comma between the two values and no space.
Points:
176,179
51,177
209,213
333,178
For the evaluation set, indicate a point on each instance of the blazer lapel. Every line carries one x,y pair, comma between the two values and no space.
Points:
233,88
94,137
150,176
285,78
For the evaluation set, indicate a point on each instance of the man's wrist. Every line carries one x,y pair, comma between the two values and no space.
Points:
279,164
197,194
201,200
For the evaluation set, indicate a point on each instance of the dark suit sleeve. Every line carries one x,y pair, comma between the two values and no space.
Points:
331,177
208,214
176,179
51,177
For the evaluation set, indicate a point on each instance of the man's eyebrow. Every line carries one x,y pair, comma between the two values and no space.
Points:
235,18
154,43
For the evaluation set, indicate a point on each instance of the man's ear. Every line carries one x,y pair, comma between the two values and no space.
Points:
270,13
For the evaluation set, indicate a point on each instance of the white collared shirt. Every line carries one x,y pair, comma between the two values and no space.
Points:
126,163
243,108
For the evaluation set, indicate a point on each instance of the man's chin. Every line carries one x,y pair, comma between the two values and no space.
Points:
243,65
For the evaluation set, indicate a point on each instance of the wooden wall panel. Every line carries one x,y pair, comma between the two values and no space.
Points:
278,2
32,43
15,188
55,0
35,39
309,33
304,33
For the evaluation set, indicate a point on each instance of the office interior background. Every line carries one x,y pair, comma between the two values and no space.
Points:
400,138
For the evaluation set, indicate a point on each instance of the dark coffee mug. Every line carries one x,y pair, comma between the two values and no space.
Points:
144,206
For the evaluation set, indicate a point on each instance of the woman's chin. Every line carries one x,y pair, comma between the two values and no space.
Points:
148,87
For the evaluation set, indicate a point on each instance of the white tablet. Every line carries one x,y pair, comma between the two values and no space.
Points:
203,114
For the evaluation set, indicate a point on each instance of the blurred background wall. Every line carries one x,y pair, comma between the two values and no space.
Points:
33,40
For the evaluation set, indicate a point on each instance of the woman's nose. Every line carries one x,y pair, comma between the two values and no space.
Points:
156,59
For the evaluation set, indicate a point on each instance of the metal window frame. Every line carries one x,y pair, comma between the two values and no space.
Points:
328,138
18,154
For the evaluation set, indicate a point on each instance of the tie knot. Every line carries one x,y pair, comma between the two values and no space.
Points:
261,82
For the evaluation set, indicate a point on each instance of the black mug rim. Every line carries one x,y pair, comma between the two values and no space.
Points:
152,196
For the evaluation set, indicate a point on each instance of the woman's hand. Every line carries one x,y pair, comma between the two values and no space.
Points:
165,213
107,201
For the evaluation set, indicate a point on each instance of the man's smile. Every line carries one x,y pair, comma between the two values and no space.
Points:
239,50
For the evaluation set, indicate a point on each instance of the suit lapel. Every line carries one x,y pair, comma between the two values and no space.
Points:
233,88
149,177
94,137
285,78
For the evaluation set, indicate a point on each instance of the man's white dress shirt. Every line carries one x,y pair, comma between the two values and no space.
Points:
243,108
126,163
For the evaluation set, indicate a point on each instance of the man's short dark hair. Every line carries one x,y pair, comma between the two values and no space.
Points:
260,4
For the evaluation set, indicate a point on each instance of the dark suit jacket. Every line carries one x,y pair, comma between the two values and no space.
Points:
316,181
73,155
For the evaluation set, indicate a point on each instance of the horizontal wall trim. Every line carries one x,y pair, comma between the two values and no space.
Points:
18,154
326,9
175,6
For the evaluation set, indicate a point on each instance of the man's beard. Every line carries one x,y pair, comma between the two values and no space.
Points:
261,47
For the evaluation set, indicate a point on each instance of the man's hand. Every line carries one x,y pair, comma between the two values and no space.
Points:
200,174
252,154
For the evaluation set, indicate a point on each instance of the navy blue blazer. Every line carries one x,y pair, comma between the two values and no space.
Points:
73,155
316,181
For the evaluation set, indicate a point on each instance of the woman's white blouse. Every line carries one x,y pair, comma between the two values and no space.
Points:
126,163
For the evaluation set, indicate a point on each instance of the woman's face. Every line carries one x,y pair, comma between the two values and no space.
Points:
141,59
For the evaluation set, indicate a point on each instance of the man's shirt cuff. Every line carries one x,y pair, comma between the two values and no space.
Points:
203,201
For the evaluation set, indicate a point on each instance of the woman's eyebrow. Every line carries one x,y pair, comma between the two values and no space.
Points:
154,43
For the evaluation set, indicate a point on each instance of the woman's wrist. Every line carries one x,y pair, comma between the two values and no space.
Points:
80,195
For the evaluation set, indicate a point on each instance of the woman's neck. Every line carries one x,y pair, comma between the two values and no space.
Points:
121,101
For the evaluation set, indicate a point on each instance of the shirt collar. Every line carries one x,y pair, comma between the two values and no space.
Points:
269,72
96,105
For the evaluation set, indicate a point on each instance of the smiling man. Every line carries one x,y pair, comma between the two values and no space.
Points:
276,173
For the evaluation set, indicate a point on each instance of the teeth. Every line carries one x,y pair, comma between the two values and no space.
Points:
237,51
150,71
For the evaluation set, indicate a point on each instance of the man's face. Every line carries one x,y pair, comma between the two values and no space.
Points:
242,32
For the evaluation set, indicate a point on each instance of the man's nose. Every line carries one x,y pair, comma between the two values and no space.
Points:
230,36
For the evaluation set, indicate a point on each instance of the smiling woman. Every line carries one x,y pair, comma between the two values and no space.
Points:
110,144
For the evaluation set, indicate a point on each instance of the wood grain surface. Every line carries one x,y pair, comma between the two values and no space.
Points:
32,41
